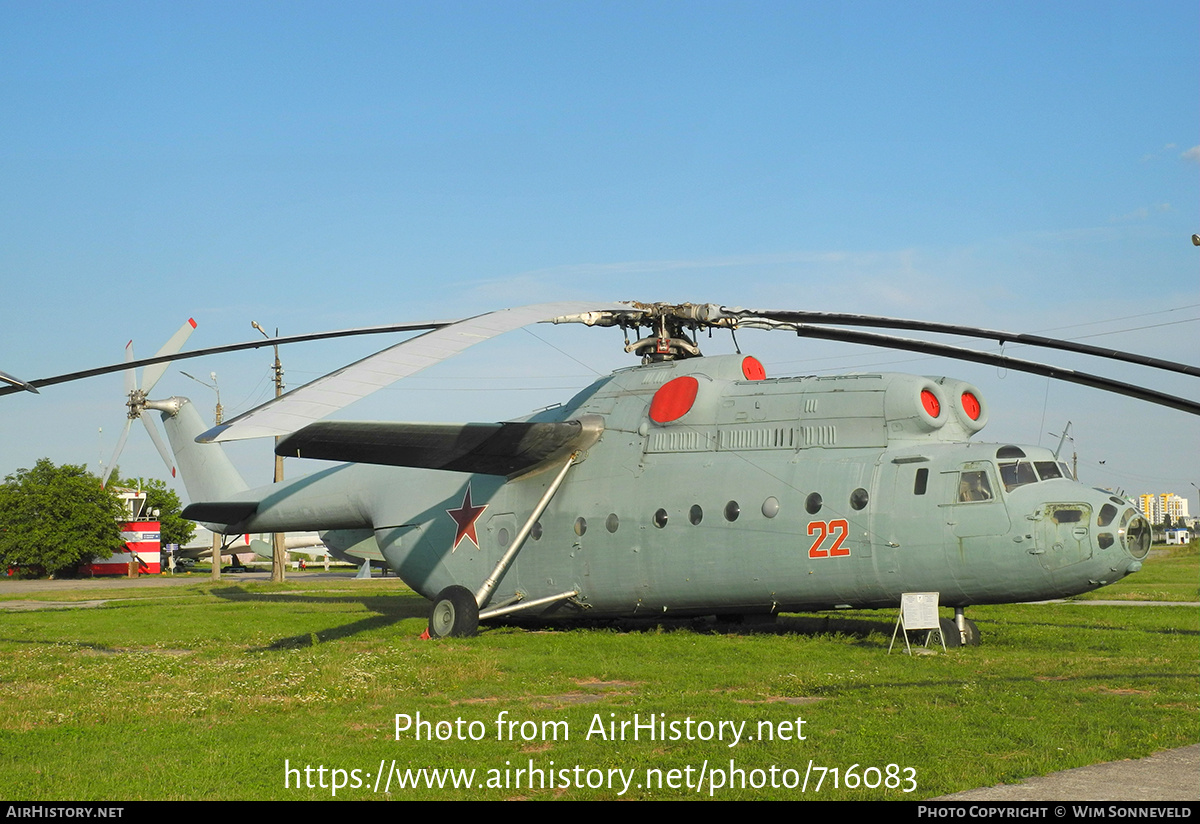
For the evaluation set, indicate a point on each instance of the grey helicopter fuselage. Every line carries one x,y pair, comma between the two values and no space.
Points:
712,489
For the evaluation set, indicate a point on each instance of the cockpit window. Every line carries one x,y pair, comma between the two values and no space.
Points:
1017,474
1047,470
974,486
1066,470
1107,513
1010,452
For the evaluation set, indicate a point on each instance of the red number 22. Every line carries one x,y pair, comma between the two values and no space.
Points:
822,529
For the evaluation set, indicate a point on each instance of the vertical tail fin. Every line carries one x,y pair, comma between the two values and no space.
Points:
207,472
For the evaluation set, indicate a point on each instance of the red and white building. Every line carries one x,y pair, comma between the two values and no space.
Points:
142,538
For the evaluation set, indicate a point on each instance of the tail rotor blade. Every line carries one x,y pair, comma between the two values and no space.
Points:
152,374
152,430
112,464
130,374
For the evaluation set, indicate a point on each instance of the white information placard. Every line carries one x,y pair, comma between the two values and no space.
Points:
918,611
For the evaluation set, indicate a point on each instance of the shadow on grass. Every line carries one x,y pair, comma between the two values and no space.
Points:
812,625
389,609
859,625
392,608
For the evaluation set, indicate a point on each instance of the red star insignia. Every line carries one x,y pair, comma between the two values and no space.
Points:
466,516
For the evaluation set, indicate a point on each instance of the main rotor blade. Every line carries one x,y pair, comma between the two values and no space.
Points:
992,359
17,382
152,374
875,321
231,347
325,395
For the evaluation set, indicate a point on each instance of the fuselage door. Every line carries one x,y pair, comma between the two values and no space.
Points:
1062,534
976,510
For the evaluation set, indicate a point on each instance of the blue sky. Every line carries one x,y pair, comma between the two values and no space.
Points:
1026,166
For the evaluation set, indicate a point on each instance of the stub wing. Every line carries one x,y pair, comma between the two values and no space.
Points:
487,448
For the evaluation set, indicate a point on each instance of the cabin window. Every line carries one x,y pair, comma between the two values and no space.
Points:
974,486
536,532
660,518
1067,516
858,498
695,514
612,522
502,537
813,503
770,507
732,511
922,482
580,526
1017,474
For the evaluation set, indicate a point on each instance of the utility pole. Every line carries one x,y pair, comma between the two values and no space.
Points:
278,561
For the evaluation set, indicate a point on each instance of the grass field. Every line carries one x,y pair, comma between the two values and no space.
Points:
205,692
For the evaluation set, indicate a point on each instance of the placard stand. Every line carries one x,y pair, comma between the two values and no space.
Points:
918,611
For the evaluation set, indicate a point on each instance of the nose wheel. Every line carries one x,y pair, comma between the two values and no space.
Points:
454,614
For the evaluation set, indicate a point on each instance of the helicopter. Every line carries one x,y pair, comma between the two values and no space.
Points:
684,485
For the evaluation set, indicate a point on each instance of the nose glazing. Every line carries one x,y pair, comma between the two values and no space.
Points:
1134,532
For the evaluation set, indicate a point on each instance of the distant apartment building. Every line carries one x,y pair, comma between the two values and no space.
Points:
1156,507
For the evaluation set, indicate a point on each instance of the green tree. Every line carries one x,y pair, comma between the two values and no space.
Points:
175,528
57,517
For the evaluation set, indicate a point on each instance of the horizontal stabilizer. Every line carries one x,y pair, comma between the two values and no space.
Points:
220,512
487,448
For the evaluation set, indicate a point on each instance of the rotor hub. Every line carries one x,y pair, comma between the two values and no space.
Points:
672,327
136,403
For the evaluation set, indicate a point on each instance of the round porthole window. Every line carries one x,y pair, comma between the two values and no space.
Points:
580,525
732,511
695,514
770,507
813,503
612,522
859,498
660,518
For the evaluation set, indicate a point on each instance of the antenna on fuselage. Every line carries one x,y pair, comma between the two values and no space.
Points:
1062,439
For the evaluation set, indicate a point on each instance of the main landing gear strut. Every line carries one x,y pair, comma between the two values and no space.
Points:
456,610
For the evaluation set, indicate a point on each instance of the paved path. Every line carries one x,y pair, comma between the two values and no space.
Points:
1171,775
9,586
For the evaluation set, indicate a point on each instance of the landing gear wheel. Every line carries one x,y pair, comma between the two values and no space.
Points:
454,614
968,638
